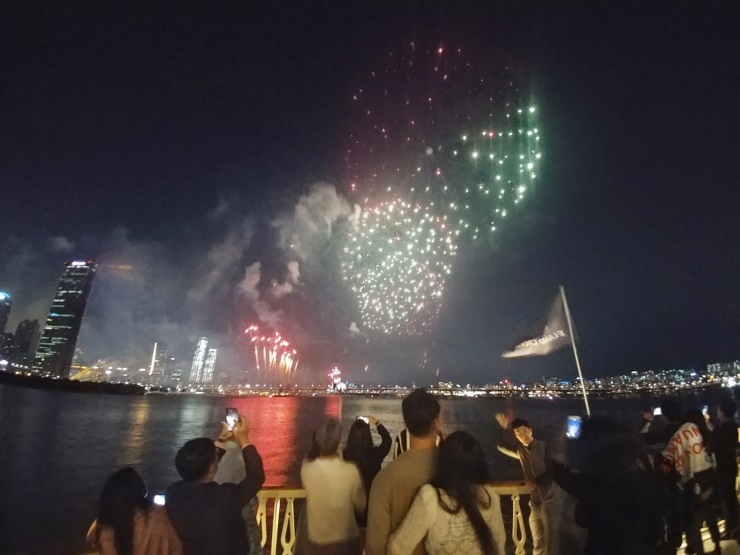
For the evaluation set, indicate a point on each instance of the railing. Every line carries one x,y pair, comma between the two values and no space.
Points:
283,534
277,508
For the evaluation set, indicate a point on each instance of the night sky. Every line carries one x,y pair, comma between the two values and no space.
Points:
177,139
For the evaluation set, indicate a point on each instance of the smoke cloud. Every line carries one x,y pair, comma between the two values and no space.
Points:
310,224
60,244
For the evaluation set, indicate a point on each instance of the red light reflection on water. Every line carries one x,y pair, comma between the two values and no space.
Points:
275,423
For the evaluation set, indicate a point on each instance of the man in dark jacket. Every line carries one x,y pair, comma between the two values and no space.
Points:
533,454
725,442
208,516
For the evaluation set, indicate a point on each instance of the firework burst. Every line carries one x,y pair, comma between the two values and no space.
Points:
396,262
272,353
442,148
447,128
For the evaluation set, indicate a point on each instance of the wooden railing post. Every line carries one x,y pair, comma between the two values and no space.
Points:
262,519
518,530
287,538
282,535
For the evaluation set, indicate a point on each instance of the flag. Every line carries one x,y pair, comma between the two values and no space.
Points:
553,337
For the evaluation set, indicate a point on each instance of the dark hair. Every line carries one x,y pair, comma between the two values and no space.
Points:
313,452
728,408
359,442
695,416
124,492
195,458
610,445
672,410
461,470
326,439
519,422
420,409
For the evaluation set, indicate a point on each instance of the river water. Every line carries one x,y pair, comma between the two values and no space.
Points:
56,449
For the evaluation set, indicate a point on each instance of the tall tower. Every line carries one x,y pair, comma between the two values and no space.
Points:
173,376
57,345
209,367
196,370
27,336
159,364
4,311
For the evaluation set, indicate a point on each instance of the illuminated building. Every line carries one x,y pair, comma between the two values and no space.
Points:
158,365
23,346
210,365
57,345
6,347
27,336
4,310
199,358
174,372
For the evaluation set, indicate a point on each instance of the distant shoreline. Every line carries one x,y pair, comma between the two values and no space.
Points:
107,388
71,386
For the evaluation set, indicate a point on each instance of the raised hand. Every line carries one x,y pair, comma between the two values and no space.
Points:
226,433
502,420
241,431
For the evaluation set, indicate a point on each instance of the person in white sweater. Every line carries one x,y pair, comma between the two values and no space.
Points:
334,492
458,512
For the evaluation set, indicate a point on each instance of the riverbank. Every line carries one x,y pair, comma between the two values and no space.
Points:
70,386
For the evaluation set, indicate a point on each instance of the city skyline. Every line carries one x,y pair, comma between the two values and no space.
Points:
216,207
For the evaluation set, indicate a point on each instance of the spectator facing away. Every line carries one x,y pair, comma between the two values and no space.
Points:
361,450
396,485
334,493
127,522
459,512
208,516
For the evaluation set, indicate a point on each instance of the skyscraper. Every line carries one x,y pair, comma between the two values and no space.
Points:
158,365
209,367
27,336
196,370
57,345
174,372
4,311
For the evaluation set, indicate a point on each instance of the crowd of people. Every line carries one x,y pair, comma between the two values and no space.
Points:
614,490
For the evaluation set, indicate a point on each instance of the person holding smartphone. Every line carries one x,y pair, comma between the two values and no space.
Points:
367,456
208,516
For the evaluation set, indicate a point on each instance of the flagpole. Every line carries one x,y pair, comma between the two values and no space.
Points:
575,351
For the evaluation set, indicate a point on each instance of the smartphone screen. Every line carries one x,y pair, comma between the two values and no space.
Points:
657,411
573,431
158,499
365,419
705,410
232,415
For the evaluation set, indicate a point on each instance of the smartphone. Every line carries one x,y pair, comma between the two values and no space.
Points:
657,411
159,499
365,419
232,416
573,430
705,410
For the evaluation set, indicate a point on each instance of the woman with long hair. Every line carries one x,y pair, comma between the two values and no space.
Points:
367,456
458,512
128,523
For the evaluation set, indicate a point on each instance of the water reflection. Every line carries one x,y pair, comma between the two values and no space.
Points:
136,435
